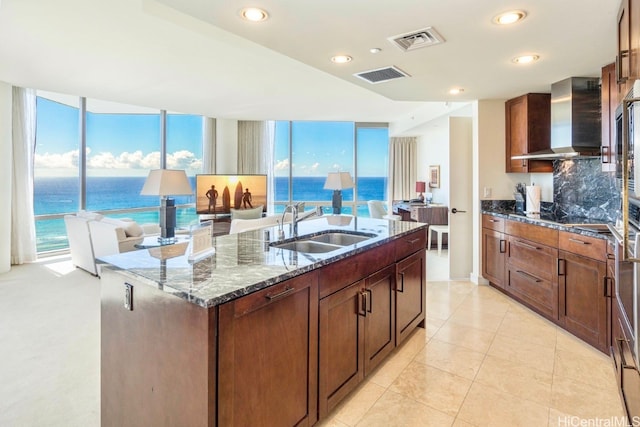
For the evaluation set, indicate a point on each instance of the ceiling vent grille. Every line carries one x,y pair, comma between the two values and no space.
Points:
382,74
417,39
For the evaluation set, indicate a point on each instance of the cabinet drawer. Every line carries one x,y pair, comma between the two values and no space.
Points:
532,257
533,290
272,294
414,242
588,246
493,222
536,233
341,274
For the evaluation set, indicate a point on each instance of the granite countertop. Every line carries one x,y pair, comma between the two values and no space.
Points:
579,225
244,263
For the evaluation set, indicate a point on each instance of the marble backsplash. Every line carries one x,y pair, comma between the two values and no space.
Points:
580,190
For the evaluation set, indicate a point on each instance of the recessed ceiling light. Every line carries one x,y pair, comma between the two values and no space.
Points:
510,17
525,59
375,50
456,91
341,59
254,14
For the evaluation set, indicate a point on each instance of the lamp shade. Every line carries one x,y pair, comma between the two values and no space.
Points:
338,181
421,186
166,182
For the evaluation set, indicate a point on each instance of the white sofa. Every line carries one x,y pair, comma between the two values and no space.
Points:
92,235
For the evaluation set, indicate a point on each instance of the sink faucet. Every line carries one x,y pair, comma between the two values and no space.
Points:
294,220
295,209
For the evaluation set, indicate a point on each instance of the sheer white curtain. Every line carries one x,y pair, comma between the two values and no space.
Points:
402,167
255,151
23,232
208,145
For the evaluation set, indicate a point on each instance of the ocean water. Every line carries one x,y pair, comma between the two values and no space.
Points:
61,195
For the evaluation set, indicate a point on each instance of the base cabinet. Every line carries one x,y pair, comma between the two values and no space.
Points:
584,298
494,250
267,346
410,295
357,331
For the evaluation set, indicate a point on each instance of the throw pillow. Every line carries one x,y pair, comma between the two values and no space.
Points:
247,213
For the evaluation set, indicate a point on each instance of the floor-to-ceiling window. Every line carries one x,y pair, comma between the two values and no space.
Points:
122,144
305,152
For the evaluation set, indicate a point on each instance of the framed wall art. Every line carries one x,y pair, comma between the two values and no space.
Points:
434,176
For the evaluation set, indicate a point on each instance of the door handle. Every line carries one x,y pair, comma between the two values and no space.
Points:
454,210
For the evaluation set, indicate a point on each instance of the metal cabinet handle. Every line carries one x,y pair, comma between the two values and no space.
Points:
561,262
494,220
369,300
623,361
526,245
280,294
362,304
607,292
401,282
529,276
579,241
604,157
411,242
503,246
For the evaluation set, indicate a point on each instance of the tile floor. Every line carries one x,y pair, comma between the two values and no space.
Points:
485,360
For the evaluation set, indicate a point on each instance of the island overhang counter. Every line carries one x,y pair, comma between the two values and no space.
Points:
253,333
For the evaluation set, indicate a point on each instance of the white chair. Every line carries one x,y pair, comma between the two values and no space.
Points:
80,246
439,230
377,210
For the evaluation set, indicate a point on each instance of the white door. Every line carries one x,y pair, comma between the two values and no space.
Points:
460,197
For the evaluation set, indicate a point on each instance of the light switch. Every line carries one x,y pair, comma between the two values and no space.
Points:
128,296
487,192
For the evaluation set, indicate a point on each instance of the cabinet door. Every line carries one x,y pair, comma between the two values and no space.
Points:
609,102
410,294
623,42
583,298
268,356
528,129
379,317
341,341
494,249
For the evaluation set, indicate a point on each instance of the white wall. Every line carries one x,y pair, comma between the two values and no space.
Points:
433,149
226,146
5,176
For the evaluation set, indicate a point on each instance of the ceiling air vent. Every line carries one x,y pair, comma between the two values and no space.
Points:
417,39
382,74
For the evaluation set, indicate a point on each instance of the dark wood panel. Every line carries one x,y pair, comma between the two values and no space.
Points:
493,223
157,364
494,250
539,294
528,129
379,317
268,358
410,295
583,298
590,247
410,243
532,257
536,233
341,334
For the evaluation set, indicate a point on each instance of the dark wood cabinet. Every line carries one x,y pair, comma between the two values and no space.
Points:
609,103
494,250
528,129
410,294
356,333
628,45
268,355
584,288
583,298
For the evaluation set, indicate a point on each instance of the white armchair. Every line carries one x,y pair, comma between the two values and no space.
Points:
377,210
80,242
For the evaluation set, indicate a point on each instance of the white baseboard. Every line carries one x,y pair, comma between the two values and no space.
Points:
477,279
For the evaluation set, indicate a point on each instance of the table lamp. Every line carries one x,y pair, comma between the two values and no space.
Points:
421,187
163,183
337,181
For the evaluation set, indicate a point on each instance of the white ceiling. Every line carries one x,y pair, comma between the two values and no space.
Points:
198,56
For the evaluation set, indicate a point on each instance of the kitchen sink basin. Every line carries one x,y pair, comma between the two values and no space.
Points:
324,242
307,246
340,239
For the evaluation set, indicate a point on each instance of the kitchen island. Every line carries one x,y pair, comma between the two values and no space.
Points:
255,334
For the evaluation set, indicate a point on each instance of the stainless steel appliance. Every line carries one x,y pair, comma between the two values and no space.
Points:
625,338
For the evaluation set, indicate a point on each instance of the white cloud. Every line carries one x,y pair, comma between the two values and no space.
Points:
282,165
314,167
106,161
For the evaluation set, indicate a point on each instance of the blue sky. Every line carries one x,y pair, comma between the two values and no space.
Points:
128,144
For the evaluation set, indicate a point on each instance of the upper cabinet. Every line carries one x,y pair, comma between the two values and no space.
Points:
528,129
628,40
609,102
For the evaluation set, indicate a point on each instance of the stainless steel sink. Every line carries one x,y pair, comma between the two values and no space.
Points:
307,246
324,242
340,239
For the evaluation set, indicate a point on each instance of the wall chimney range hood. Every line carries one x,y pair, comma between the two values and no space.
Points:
575,121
